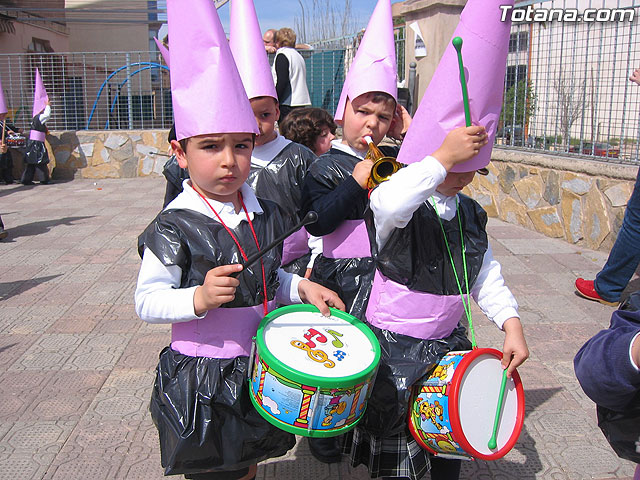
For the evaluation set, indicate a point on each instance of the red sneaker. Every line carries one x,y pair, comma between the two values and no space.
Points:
586,289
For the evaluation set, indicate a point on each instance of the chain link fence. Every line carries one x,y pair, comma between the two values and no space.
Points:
567,85
566,88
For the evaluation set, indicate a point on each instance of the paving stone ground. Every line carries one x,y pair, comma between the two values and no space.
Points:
76,364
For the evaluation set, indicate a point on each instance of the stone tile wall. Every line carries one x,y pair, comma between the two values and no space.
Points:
582,201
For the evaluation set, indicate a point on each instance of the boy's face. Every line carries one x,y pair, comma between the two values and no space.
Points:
363,117
266,112
454,182
323,142
218,163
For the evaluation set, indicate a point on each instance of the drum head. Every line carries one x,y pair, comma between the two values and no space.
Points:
327,352
477,383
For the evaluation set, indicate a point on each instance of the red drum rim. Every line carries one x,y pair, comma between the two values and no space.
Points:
454,414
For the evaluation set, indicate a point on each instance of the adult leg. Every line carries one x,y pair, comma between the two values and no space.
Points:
625,254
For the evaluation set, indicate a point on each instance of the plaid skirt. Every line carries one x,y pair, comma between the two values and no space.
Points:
396,456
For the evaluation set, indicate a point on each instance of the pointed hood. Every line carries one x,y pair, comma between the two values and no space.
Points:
40,97
247,46
164,51
206,89
374,67
3,104
484,53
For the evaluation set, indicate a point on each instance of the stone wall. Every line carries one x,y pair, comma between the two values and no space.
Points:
107,154
582,201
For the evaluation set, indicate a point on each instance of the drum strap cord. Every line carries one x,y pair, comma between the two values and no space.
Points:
244,255
465,301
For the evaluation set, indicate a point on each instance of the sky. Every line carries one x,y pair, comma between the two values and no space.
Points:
281,13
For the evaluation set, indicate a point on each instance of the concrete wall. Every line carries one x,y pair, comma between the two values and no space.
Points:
582,201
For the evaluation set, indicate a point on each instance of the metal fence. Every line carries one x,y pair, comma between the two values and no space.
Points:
131,90
567,87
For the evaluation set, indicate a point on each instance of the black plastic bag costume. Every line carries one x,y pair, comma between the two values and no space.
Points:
350,278
405,260
281,182
201,405
36,152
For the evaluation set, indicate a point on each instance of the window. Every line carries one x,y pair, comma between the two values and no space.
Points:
519,42
39,45
515,73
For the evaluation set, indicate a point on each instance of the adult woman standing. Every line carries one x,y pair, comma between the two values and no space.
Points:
289,74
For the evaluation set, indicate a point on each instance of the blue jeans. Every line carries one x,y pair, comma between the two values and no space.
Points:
625,254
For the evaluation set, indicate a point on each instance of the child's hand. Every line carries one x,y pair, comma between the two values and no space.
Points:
218,288
362,171
3,148
321,297
515,350
635,76
460,145
400,123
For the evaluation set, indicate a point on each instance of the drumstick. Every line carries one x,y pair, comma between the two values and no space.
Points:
457,44
310,217
492,441
4,129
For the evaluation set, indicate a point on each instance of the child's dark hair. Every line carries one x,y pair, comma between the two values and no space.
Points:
305,125
380,97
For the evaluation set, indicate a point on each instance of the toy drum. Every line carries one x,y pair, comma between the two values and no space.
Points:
312,375
452,412
15,140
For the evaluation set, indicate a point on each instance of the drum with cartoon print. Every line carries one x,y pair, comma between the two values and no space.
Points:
15,140
452,412
312,375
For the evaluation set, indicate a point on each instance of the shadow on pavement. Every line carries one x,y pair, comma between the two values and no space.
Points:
38,228
11,289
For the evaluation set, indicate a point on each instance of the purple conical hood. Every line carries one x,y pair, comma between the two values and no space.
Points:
247,46
164,51
40,97
3,104
484,53
206,89
374,67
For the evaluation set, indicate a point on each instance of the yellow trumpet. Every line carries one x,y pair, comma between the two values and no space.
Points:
383,167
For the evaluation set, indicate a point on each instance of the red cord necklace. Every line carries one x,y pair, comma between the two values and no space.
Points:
244,255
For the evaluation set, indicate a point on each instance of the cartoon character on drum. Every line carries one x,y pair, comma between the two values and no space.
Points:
312,375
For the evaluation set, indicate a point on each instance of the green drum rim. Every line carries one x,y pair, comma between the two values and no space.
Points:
304,432
321,382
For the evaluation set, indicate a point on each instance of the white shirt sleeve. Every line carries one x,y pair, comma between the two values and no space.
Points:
287,292
393,202
46,113
158,297
492,295
315,245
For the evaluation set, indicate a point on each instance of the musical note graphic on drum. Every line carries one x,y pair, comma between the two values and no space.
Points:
319,398
315,355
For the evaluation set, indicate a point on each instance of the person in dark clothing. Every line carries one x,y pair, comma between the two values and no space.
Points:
6,162
36,156
608,369
174,174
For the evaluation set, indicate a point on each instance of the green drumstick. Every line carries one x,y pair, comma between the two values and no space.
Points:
492,441
457,43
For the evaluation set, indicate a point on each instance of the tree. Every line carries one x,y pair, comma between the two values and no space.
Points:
570,102
323,20
520,104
